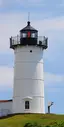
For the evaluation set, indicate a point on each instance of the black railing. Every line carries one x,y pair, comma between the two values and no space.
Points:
41,41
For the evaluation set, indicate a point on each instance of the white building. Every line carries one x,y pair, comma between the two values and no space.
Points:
5,107
28,90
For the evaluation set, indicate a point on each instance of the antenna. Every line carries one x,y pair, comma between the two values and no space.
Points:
28,16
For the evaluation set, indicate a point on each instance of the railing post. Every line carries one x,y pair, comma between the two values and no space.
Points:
17,39
10,41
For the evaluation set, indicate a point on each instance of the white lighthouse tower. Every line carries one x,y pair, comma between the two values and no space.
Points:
28,90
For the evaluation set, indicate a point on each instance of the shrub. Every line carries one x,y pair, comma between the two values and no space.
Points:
28,125
54,124
32,125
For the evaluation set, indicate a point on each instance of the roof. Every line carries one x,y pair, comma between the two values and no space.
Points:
1,101
28,27
27,97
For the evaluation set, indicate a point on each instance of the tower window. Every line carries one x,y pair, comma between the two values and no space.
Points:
24,35
26,104
33,35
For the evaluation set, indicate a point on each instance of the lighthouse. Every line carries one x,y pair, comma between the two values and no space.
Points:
28,86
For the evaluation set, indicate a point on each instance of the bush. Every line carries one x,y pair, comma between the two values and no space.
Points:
54,124
28,125
32,125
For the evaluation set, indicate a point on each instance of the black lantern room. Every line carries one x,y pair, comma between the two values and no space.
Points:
28,35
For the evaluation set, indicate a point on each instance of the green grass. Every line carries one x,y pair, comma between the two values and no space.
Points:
20,120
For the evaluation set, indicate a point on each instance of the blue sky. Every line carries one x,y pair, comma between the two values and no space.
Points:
48,17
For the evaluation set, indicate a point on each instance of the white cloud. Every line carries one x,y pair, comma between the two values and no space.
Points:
51,78
5,3
32,3
53,90
6,77
9,26
0,2
51,24
25,3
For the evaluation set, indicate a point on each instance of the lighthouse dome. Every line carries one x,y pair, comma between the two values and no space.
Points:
28,27
28,35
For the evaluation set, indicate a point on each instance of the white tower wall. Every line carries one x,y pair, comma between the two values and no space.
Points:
28,80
